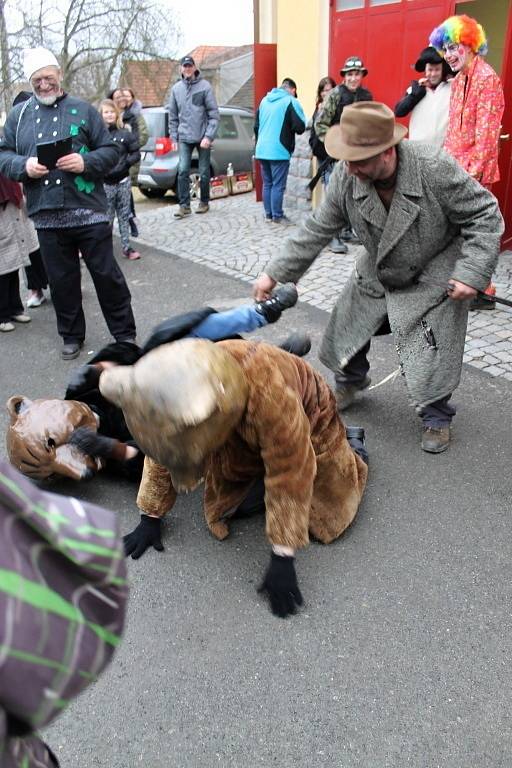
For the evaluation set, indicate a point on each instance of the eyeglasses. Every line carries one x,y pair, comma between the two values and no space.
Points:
38,80
187,66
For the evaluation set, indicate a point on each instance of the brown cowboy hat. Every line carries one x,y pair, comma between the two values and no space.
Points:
366,129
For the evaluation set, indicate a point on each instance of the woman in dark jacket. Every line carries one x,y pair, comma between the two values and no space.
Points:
117,182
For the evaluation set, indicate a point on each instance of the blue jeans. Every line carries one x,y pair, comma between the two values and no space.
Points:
222,325
185,156
275,173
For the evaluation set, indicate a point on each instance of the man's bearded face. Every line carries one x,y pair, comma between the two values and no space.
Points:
46,85
456,55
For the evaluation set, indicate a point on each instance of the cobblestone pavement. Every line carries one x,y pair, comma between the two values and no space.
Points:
234,239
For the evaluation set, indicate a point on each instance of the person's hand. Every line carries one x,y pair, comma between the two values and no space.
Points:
82,380
147,534
263,287
34,168
461,291
73,163
93,444
205,143
280,585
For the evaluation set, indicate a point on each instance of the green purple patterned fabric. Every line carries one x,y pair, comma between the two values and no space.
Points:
63,595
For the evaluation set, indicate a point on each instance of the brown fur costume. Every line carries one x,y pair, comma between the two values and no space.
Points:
289,433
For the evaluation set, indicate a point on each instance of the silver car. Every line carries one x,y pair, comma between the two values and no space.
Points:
159,162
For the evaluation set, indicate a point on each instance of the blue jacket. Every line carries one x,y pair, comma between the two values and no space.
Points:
278,119
31,123
193,110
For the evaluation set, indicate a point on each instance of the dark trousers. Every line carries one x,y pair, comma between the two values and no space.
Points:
437,414
10,301
59,249
37,278
185,158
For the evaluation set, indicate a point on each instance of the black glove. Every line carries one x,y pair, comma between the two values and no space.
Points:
417,90
148,533
82,380
93,444
280,584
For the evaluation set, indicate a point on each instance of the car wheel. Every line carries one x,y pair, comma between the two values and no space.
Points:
153,193
195,185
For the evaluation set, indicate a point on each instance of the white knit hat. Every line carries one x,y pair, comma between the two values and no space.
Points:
37,58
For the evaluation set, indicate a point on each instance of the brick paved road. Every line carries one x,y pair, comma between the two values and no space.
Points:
234,239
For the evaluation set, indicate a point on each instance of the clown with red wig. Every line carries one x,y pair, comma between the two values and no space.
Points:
476,102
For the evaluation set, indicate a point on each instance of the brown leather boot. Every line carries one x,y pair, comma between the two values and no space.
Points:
435,439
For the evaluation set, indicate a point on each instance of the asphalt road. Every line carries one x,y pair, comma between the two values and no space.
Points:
402,653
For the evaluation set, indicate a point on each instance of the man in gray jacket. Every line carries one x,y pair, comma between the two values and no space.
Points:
431,237
194,118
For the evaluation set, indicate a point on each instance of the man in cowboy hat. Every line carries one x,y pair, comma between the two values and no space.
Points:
424,224
428,99
346,93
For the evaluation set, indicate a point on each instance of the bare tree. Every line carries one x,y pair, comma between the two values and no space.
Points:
91,39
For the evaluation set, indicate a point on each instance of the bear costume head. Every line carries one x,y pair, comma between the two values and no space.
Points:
37,438
181,401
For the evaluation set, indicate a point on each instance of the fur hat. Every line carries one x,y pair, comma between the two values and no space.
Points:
180,401
366,129
37,58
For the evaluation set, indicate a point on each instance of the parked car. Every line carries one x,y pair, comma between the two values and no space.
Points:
159,156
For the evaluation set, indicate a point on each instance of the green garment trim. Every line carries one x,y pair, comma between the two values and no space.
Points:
46,599
41,661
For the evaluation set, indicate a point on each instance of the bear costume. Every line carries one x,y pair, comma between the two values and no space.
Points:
241,415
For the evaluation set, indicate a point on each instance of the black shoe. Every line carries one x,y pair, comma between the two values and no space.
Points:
134,230
297,344
356,439
283,298
71,349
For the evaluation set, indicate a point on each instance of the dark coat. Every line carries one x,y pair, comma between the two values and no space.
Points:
339,98
30,123
129,153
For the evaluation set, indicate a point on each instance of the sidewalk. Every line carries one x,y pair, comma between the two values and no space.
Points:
234,239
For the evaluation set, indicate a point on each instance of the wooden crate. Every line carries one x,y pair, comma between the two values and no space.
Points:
219,187
241,182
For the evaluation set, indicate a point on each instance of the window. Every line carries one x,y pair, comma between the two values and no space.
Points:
227,128
349,5
383,2
248,124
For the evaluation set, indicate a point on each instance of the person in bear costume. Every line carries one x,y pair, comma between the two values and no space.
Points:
84,433
260,426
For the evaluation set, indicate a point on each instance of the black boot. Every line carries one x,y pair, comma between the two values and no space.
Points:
297,344
356,440
283,298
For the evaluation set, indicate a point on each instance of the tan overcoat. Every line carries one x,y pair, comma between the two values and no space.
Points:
291,435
